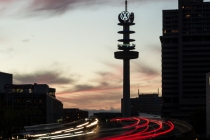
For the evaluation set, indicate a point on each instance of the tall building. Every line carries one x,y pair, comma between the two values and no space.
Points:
37,102
126,20
208,105
185,58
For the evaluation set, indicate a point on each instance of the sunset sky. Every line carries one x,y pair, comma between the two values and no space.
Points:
70,45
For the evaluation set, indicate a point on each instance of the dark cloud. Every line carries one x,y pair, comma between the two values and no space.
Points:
83,87
142,68
155,49
6,1
104,81
101,86
57,7
7,50
45,77
62,6
26,40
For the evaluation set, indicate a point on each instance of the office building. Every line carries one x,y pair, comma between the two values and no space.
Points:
208,105
185,58
149,103
74,114
37,102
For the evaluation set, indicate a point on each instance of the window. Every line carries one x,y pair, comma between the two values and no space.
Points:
164,31
18,101
209,80
35,100
187,16
174,31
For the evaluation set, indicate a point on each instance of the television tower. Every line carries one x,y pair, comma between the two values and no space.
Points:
126,20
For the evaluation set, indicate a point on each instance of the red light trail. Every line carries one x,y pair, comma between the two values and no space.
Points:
141,128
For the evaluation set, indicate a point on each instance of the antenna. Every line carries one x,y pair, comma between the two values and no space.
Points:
125,5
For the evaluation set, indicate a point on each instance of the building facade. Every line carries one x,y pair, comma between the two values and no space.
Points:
37,102
185,43
145,103
73,114
208,105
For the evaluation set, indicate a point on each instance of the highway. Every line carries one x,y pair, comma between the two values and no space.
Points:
134,128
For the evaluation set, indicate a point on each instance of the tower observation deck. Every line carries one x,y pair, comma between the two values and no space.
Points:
126,20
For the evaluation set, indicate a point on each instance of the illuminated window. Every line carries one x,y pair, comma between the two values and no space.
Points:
174,31
164,31
187,16
19,90
182,7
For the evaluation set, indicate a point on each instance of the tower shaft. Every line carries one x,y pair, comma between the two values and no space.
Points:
126,88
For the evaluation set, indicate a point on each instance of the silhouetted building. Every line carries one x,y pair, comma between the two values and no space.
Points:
105,116
74,114
208,105
185,58
37,101
145,103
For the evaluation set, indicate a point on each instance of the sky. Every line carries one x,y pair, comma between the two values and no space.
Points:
70,45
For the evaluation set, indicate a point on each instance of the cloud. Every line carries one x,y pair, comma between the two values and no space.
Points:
92,100
102,81
45,77
7,50
105,91
26,40
155,49
6,1
59,7
142,68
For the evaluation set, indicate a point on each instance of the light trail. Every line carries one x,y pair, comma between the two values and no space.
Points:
143,129
78,130
134,128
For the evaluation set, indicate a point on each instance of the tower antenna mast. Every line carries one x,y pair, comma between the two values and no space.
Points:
126,5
